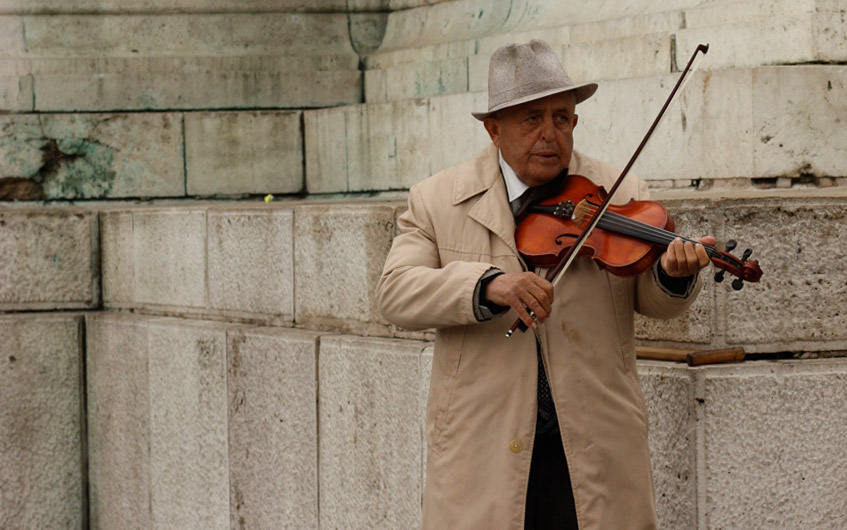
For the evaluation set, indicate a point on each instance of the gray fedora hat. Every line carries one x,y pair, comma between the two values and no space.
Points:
525,72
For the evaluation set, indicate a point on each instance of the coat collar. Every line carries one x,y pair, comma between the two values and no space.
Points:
481,175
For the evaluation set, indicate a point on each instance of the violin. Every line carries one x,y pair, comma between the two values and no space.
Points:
627,240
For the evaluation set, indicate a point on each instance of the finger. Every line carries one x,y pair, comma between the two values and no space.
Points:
702,255
523,314
676,257
692,261
537,299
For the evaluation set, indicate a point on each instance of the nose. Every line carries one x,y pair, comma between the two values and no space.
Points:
547,129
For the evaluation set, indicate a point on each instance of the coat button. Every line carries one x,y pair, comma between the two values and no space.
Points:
515,446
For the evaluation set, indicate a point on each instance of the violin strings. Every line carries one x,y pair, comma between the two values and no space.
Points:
624,225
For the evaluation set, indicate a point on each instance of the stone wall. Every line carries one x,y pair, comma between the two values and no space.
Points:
179,353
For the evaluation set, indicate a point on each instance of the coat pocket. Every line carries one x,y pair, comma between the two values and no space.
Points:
447,358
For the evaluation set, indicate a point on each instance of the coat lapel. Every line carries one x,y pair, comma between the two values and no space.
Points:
492,209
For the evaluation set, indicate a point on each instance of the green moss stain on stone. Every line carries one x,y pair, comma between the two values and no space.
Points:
77,168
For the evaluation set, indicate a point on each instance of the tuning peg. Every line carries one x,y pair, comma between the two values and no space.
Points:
730,245
737,284
746,254
719,275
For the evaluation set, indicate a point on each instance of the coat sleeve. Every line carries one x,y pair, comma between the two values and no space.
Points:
651,298
417,291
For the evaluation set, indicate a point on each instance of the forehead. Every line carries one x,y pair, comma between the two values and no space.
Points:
563,101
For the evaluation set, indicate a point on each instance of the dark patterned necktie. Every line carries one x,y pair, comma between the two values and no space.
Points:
546,422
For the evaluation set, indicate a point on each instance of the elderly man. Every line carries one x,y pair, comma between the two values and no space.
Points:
546,429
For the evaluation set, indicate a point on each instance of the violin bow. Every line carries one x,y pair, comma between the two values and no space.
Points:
556,273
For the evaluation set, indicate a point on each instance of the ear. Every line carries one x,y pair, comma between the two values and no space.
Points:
493,129
575,119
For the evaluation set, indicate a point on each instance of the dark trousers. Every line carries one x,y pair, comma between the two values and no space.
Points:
549,499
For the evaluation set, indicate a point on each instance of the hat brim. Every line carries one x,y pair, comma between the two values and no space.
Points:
581,93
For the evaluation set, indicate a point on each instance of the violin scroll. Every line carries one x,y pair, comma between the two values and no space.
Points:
745,269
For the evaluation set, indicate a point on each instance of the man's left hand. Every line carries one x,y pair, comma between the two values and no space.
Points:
685,258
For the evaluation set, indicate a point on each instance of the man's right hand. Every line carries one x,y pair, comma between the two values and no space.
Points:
523,292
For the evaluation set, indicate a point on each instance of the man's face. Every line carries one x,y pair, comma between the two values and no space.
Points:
536,138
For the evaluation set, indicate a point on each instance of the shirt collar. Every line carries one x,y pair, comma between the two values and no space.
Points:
514,185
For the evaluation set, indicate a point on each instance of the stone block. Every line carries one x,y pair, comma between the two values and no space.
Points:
615,58
418,80
194,83
118,414
809,138
325,139
384,145
16,93
117,257
273,431
631,26
339,252
799,302
773,445
251,261
168,6
41,423
213,60
669,393
248,152
454,134
189,468
696,325
50,259
227,34
170,258
91,156
370,443
389,146
813,37
695,129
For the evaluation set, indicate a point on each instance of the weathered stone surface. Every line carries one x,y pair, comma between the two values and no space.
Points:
49,259
696,325
326,149
755,33
174,83
635,56
182,6
695,129
273,431
41,483
248,34
799,303
117,257
370,437
454,135
170,258
416,80
385,145
391,145
232,153
669,393
773,445
251,261
339,252
189,465
91,156
118,421
798,117
16,93
225,60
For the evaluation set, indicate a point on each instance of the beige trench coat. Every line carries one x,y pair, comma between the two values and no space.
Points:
480,419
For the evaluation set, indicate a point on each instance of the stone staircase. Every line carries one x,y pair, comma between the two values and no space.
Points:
179,353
